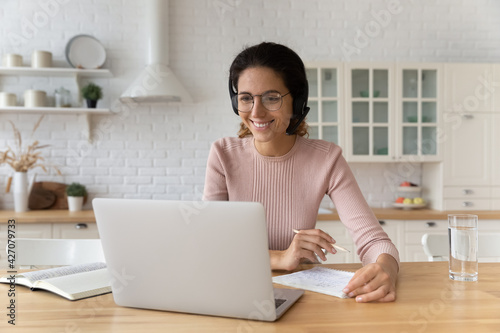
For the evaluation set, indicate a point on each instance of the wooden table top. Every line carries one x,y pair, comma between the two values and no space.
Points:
427,301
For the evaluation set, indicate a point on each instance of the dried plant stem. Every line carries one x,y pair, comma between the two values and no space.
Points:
22,161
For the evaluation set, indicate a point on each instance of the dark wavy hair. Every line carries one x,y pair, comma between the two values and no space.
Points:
284,61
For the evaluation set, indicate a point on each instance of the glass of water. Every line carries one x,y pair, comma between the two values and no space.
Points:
462,235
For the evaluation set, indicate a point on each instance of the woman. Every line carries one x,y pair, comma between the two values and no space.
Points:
273,163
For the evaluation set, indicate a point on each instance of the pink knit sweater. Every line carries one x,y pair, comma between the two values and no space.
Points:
291,188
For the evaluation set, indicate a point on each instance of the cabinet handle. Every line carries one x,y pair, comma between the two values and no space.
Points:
431,224
381,222
81,226
467,204
467,191
468,116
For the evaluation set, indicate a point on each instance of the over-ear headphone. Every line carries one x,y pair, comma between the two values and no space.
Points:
300,108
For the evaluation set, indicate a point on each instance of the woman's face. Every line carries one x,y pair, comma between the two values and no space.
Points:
266,126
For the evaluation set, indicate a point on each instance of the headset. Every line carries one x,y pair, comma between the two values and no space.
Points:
300,108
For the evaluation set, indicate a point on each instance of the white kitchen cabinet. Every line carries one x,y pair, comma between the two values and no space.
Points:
414,230
418,102
22,230
467,156
412,249
75,231
470,87
369,100
495,151
325,117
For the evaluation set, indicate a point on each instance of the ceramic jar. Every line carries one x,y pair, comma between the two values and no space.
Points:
12,60
41,59
35,98
7,99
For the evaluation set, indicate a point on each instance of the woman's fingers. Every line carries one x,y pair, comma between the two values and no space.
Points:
319,239
371,283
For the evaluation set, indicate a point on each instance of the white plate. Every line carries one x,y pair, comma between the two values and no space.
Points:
409,206
84,51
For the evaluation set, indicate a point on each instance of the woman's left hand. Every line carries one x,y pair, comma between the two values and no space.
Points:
375,282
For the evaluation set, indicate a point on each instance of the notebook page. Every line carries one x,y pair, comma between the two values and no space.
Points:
318,279
78,285
62,271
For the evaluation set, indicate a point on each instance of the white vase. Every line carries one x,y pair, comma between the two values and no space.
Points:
20,191
75,203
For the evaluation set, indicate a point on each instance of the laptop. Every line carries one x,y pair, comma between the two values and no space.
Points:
200,257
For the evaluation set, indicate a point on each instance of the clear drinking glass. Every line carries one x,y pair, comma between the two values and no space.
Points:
463,235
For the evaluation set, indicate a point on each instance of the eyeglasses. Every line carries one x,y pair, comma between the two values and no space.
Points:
271,100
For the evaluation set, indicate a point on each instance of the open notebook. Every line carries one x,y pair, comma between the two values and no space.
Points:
319,279
71,282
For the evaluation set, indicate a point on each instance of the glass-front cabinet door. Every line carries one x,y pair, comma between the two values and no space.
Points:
417,111
370,124
325,91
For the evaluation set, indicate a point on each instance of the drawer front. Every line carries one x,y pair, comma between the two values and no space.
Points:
495,192
75,230
426,225
464,204
465,192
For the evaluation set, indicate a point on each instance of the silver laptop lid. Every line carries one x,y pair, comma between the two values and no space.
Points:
197,257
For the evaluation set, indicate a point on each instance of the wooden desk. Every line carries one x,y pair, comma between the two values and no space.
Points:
427,302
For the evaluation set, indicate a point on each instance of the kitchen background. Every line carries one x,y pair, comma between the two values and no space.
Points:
159,152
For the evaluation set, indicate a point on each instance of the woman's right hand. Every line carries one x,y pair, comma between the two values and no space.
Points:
305,245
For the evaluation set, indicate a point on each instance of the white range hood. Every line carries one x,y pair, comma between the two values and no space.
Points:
156,83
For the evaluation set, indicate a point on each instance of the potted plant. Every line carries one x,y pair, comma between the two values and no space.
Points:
92,93
76,193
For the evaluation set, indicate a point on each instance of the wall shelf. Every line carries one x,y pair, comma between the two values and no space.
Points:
73,73
53,110
55,72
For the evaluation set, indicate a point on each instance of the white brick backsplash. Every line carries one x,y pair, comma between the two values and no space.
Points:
126,171
138,180
107,180
166,146
123,189
152,172
151,189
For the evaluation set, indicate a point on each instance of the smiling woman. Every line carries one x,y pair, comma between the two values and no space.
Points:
272,162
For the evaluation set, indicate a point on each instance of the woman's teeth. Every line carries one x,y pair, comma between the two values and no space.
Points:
261,125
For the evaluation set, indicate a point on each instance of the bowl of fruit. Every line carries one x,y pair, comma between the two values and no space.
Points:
409,203
410,196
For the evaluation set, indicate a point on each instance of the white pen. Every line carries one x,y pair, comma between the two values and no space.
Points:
338,247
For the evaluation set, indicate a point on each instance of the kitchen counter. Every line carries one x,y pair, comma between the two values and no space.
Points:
48,216
87,216
417,214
